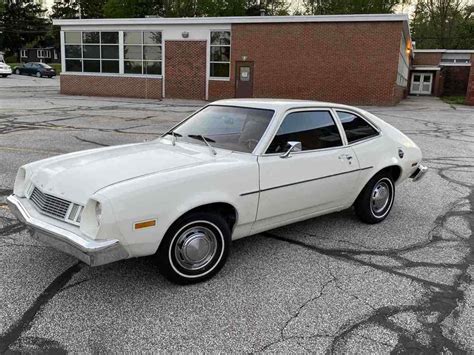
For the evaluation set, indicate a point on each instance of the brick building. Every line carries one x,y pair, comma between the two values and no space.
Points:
358,59
443,72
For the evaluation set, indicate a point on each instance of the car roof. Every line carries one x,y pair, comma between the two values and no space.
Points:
278,104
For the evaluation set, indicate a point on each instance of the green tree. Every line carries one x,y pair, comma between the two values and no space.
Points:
330,7
92,8
22,22
65,9
193,8
221,8
133,8
443,24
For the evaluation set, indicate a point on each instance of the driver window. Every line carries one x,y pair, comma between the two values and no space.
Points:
314,129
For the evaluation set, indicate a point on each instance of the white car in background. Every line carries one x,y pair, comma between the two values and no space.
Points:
5,69
232,169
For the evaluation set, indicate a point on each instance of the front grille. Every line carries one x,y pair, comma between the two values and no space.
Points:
50,205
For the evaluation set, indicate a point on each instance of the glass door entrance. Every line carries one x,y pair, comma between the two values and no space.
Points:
421,83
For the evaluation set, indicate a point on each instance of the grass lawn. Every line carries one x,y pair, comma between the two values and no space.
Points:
456,100
55,66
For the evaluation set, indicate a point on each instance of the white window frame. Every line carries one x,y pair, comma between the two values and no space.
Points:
143,60
100,59
221,78
23,53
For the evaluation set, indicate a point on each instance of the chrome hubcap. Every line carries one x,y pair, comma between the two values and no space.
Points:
380,197
195,248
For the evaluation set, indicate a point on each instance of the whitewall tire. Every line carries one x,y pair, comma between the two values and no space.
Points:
376,199
195,248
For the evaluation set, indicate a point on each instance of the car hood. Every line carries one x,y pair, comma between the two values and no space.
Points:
77,176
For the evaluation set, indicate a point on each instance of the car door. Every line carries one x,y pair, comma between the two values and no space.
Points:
28,68
311,181
363,137
35,68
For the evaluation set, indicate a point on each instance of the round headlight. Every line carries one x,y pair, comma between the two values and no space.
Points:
19,186
98,212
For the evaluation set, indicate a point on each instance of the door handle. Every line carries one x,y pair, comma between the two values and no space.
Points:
345,156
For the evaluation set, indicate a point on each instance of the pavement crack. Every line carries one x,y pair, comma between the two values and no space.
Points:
295,315
91,142
13,333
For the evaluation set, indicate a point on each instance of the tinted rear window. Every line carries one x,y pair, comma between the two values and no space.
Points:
356,127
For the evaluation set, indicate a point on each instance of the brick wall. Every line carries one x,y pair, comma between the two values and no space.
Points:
95,85
455,80
185,69
470,86
219,89
422,58
399,93
343,62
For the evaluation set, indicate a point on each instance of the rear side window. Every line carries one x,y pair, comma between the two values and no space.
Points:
356,127
314,129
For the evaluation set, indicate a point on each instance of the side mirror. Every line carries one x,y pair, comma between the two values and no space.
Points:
293,146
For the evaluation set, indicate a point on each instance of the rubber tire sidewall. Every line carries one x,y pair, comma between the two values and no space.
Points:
172,272
18,72
362,205
38,76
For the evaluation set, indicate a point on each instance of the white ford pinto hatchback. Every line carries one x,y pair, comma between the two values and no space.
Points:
232,169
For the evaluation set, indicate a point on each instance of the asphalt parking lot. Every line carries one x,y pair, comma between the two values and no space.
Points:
330,284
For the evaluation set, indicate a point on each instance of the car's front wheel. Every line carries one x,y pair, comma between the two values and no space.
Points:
17,72
195,248
376,199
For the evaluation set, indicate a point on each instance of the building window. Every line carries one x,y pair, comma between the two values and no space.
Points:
456,58
220,54
23,53
142,52
91,52
43,53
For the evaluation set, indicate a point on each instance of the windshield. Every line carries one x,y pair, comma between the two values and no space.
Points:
234,128
44,65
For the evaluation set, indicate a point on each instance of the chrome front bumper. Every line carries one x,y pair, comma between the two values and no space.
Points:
419,172
91,252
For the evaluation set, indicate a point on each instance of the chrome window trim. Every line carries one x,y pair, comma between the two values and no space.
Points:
305,109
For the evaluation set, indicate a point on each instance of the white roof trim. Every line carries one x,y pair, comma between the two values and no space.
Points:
425,67
230,20
161,21
444,51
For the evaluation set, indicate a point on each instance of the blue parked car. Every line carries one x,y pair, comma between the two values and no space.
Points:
37,69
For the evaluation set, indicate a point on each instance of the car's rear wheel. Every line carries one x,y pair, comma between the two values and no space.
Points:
376,199
195,248
38,74
17,72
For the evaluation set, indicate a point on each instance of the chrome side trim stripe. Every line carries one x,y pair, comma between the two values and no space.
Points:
305,181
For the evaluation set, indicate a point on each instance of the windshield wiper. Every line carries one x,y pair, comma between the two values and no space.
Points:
174,134
205,140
